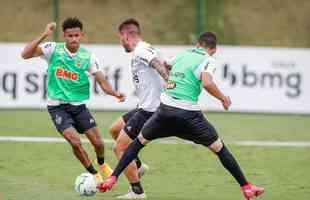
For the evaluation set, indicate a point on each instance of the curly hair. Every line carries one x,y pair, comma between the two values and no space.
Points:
72,22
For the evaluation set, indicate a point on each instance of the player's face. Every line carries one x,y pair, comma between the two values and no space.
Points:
73,38
125,41
211,51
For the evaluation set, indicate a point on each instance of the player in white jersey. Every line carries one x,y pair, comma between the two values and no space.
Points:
149,74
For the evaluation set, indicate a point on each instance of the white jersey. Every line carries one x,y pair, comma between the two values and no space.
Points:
147,82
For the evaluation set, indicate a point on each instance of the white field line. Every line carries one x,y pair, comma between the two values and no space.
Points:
162,141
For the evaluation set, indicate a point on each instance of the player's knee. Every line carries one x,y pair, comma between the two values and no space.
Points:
142,139
114,131
216,146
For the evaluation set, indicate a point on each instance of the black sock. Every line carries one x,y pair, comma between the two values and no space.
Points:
138,162
100,160
229,162
129,155
91,169
137,188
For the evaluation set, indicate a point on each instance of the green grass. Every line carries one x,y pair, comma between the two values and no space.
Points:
231,126
47,171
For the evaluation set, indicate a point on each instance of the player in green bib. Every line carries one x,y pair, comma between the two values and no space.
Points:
179,114
69,67
73,86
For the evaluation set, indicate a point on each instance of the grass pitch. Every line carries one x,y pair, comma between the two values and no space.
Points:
178,171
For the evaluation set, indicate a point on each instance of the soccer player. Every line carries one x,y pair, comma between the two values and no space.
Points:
179,114
69,67
149,74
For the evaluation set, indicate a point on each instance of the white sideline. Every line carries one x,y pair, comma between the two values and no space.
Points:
163,141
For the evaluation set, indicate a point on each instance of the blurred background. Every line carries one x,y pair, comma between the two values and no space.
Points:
276,23
263,63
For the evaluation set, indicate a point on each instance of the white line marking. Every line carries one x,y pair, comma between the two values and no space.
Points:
162,141
272,143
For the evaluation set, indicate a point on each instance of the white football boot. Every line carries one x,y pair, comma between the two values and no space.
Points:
132,195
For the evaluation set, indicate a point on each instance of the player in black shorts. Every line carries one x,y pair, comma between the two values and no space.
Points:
179,113
69,65
148,74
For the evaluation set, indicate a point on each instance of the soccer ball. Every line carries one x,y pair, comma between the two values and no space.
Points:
85,184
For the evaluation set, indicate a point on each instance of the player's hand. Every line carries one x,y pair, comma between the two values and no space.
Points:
120,96
168,67
49,29
226,102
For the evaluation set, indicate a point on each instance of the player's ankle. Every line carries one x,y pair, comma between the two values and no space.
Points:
100,160
91,169
137,188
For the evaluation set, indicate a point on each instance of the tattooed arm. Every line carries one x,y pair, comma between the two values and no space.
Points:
160,67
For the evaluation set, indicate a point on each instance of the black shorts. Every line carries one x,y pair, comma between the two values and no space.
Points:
171,121
129,114
67,115
135,119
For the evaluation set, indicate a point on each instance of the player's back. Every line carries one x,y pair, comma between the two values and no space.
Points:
184,81
147,81
188,60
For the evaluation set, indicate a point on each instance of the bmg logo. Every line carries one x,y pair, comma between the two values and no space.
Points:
290,82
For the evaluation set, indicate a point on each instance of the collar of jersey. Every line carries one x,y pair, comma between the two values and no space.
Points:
202,50
71,55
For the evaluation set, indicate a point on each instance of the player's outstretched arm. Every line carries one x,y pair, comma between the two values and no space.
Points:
160,67
210,86
32,49
107,88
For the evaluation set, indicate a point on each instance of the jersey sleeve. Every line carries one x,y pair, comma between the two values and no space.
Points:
208,65
47,49
147,54
94,65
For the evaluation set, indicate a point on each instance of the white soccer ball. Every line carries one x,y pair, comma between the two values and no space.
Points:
85,184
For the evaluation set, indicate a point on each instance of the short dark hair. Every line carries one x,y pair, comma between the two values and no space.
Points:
130,21
208,39
72,22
